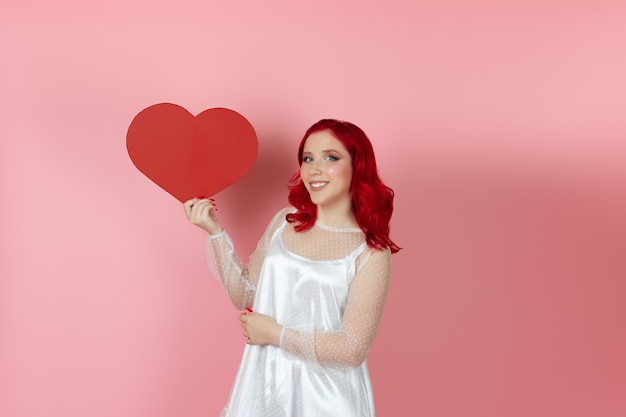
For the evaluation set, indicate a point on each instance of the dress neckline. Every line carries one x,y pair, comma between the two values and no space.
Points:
336,229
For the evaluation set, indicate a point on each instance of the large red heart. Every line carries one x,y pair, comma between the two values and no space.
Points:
189,156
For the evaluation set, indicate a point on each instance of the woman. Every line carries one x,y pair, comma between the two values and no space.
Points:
315,286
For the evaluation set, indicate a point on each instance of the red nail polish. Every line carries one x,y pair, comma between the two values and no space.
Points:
249,310
200,197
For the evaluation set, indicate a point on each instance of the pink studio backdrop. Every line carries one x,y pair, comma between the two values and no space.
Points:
500,126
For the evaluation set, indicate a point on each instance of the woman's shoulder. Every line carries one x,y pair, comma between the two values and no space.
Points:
381,257
287,210
280,217
282,213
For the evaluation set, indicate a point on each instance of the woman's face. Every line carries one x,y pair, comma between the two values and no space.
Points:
326,170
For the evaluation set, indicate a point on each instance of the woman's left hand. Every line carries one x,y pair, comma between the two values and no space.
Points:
260,329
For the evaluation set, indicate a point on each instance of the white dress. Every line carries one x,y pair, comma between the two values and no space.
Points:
319,369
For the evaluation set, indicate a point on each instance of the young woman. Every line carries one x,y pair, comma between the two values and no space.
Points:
316,283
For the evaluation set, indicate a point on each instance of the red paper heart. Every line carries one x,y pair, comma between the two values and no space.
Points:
189,156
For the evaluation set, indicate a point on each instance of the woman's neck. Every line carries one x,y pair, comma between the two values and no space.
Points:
338,217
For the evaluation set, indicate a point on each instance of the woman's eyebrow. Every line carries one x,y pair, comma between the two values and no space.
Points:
323,151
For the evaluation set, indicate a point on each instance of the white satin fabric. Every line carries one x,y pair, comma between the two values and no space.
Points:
308,295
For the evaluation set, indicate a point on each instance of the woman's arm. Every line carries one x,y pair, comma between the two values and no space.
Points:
348,346
238,280
225,266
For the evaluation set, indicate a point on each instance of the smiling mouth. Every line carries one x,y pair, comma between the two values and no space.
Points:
318,185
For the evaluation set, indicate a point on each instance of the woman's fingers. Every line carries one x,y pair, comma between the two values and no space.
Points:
243,318
200,212
187,205
198,209
203,204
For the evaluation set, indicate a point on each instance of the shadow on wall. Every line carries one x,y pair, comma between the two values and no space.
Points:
507,294
249,205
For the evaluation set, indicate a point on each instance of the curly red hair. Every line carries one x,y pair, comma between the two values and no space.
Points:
372,200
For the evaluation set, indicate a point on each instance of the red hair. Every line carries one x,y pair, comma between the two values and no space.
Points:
372,201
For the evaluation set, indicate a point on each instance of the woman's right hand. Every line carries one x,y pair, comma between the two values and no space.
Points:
201,212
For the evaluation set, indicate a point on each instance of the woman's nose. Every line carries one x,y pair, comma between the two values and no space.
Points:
314,167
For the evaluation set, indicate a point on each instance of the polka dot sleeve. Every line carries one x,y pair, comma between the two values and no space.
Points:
237,279
349,345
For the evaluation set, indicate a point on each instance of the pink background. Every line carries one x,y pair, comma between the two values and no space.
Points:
500,126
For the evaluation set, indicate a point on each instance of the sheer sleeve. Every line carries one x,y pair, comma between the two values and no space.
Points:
239,280
349,345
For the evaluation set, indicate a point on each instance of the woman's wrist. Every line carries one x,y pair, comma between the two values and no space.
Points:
281,336
215,233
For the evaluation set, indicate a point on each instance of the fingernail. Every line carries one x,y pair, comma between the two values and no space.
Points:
249,310
200,197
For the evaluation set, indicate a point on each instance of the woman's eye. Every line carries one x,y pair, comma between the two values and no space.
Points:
307,159
332,158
